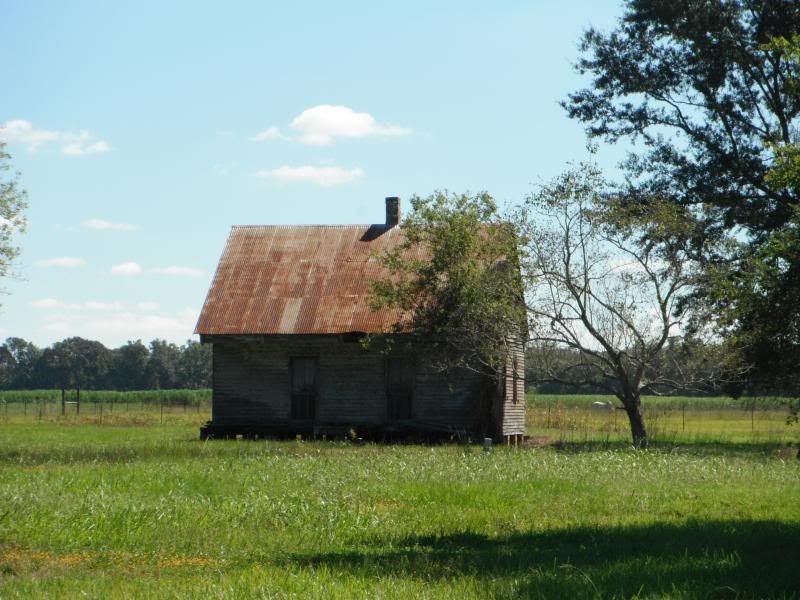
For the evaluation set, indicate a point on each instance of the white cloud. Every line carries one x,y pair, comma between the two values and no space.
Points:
114,323
271,133
321,125
83,146
52,304
73,143
177,271
102,225
103,306
325,176
127,268
22,131
66,262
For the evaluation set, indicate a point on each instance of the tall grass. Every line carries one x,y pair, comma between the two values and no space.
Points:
150,511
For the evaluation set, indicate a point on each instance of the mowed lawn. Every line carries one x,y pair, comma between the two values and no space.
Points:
140,509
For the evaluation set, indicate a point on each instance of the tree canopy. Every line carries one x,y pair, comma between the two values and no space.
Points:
607,308
456,274
706,93
80,363
13,201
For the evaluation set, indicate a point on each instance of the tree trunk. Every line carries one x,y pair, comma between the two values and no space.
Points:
633,407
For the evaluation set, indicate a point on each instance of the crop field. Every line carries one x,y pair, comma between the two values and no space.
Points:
134,505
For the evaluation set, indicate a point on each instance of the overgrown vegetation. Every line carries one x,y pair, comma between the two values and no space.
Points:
456,278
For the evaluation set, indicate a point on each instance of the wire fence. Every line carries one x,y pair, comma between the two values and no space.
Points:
94,405
669,420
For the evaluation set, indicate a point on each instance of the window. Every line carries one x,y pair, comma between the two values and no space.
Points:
399,386
304,387
515,377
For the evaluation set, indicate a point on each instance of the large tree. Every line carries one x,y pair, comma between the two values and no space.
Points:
129,366
706,96
760,293
13,201
162,366
606,308
194,365
74,363
18,360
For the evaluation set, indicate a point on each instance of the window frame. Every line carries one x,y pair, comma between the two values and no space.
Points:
311,408
392,412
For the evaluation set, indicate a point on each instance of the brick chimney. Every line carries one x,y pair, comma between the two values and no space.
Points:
392,211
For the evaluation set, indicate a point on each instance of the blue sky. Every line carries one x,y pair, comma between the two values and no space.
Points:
143,131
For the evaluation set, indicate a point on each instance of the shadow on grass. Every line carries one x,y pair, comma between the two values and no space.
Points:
699,559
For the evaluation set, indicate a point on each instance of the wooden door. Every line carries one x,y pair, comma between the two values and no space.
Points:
304,387
400,387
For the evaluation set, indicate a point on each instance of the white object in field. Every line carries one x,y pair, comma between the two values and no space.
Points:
602,406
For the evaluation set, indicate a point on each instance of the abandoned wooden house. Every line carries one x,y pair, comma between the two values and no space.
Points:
286,313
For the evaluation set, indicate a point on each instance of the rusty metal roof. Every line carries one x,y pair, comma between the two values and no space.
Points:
310,279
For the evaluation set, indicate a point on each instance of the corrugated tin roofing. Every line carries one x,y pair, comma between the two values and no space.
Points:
298,280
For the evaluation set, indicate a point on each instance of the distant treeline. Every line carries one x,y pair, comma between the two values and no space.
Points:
86,364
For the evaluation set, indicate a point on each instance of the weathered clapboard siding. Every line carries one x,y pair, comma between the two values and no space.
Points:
514,392
298,292
252,385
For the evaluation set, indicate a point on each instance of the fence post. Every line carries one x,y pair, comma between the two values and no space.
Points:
63,402
78,401
683,414
162,410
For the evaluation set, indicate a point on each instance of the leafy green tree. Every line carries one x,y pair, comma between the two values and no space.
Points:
456,275
760,294
706,92
19,358
162,367
194,365
13,201
129,366
74,363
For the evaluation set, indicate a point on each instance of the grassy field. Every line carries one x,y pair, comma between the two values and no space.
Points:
131,507
670,420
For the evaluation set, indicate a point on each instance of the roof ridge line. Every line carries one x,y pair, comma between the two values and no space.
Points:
312,225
